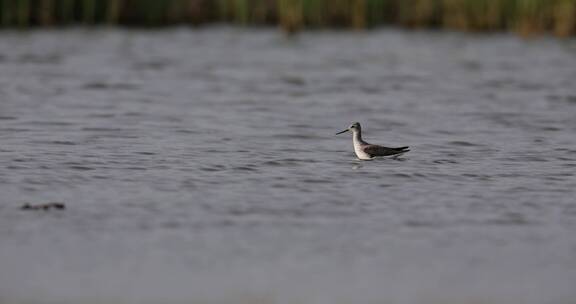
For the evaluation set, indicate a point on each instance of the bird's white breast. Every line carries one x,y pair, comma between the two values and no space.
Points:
359,151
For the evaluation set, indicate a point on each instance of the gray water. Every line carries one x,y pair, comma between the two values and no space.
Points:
201,166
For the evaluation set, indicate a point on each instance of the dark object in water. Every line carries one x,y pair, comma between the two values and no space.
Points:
47,206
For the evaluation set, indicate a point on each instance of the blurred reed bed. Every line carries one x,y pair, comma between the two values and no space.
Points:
527,17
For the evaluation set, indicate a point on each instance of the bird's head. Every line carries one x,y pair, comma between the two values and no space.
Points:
355,127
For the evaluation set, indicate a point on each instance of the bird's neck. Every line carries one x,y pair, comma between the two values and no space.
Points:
357,137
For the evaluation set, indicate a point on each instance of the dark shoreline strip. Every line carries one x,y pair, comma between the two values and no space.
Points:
525,17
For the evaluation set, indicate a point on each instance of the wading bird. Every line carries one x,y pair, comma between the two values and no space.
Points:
366,151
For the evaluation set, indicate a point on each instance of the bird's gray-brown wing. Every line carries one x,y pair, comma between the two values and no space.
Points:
375,150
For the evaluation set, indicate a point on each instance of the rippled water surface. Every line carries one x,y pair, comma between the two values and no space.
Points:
201,166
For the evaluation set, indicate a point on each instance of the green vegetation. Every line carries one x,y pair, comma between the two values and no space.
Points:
527,17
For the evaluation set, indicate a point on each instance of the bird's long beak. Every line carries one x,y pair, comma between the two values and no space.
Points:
343,131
